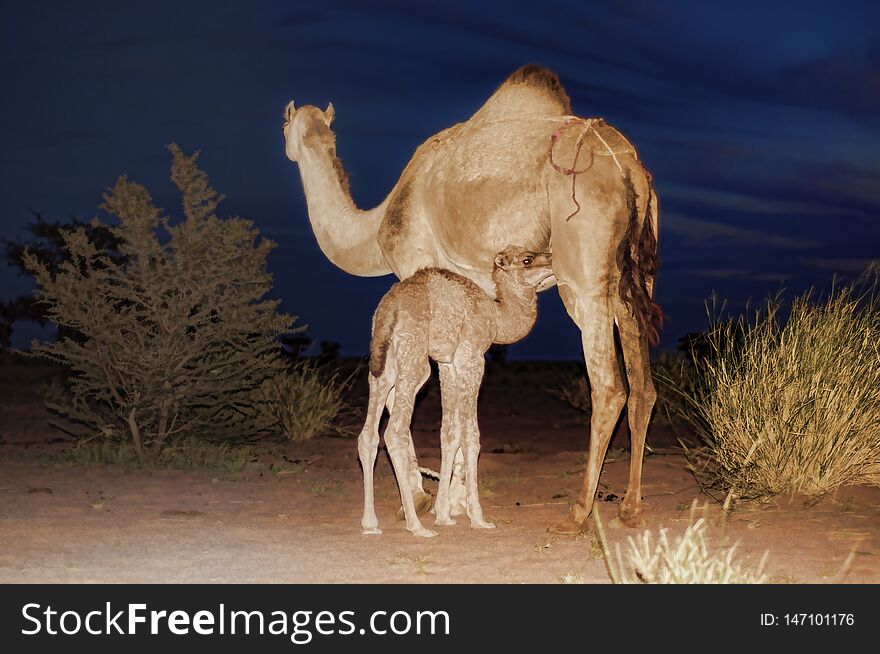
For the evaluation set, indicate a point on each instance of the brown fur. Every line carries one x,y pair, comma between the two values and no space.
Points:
339,169
383,328
637,262
470,287
398,209
542,79
319,134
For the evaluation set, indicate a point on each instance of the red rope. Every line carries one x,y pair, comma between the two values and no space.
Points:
573,171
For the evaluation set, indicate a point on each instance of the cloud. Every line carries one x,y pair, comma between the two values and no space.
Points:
848,265
719,273
708,199
773,277
848,82
695,231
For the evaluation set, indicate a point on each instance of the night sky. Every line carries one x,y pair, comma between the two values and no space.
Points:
761,125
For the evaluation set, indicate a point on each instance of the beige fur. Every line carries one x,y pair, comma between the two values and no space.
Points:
473,188
444,316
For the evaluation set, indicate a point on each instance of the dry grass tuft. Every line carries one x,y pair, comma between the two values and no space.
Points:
686,559
189,453
792,406
307,400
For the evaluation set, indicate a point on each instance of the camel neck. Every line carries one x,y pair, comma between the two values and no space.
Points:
516,308
345,234
322,177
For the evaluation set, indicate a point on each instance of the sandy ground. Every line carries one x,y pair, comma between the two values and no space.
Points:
68,524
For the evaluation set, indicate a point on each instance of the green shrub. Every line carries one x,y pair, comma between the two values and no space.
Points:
172,334
795,406
47,245
306,400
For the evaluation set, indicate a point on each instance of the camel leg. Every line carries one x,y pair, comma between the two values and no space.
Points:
596,320
397,433
457,492
470,366
368,444
449,442
639,405
421,499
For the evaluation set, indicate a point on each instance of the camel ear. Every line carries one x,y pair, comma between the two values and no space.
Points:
499,261
329,114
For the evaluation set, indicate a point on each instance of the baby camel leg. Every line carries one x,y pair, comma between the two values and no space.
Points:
410,358
469,365
449,442
421,499
368,444
457,492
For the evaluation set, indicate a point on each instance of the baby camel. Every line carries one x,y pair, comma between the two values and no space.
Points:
447,317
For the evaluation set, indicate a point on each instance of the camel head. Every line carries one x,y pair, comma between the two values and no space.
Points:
306,127
528,268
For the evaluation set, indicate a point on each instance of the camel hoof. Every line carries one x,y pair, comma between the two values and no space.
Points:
423,532
423,502
567,527
630,518
444,522
482,524
371,531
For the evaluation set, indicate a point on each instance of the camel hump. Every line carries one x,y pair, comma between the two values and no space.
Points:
531,90
543,80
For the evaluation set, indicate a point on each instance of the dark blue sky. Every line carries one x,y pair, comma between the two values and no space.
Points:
760,122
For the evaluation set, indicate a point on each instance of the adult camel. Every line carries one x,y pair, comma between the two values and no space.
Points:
521,170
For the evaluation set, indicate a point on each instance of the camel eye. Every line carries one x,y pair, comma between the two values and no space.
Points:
527,262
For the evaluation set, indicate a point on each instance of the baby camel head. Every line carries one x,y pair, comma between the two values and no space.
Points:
307,126
527,268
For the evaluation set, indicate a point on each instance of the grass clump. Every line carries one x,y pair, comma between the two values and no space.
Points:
792,406
686,559
185,454
307,400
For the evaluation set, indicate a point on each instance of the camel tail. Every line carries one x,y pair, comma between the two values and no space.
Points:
383,328
638,262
